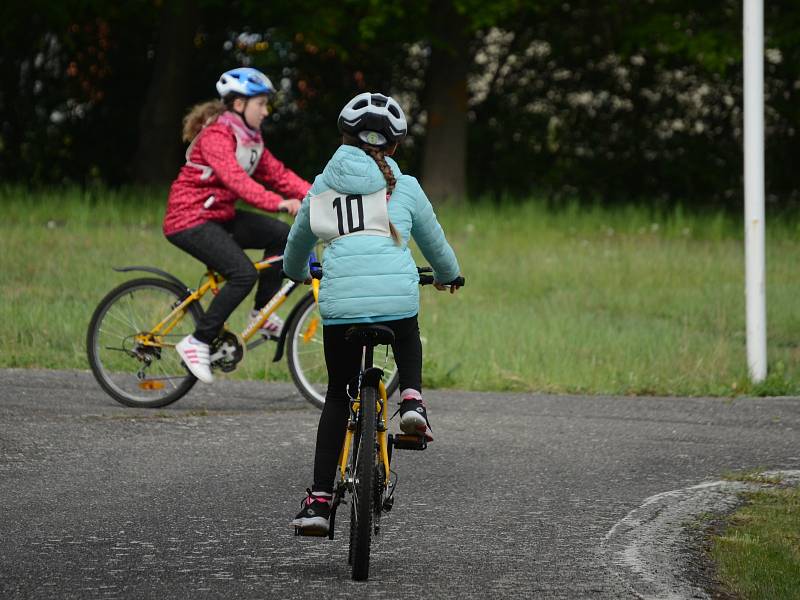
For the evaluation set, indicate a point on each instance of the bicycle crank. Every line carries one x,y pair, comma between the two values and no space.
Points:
226,352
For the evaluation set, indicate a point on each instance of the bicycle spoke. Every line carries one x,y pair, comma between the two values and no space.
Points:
169,378
134,318
355,504
133,373
308,351
113,333
121,318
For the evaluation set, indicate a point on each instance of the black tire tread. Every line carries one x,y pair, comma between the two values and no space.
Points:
365,477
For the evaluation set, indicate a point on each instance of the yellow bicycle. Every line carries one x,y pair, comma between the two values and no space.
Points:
133,331
364,468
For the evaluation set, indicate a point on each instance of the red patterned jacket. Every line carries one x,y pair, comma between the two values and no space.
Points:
222,164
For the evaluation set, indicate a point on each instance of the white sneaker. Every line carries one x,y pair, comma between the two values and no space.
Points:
272,327
195,356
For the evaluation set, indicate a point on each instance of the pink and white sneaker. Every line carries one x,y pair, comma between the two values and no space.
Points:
195,356
272,327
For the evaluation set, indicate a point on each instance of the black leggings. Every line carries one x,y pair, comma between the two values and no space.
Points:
343,361
220,246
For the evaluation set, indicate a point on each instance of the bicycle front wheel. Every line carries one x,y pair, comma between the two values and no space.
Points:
133,366
363,504
305,355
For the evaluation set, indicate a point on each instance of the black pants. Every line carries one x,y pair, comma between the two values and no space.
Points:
220,246
343,361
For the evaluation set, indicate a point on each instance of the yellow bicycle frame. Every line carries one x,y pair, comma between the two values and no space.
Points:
168,323
382,433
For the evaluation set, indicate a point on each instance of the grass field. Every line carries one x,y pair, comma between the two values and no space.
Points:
758,554
623,301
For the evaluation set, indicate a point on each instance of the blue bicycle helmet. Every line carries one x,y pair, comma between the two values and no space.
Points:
244,81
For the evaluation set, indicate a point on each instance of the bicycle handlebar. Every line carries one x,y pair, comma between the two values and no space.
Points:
429,280
316,273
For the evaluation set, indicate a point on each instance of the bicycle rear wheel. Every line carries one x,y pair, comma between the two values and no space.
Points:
136,368
362,505
305,355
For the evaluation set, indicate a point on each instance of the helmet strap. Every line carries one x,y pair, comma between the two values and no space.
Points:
241,113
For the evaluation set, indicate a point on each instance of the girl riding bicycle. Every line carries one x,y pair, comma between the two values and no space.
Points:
365,210
225,157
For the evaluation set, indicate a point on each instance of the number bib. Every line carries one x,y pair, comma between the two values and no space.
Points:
249,148
248,153
334,215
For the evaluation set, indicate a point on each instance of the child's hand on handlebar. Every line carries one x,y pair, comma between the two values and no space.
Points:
292,205
453,286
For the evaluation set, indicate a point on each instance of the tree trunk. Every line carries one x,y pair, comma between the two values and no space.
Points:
445,152
160,153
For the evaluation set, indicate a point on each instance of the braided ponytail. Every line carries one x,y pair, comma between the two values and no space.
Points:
380,159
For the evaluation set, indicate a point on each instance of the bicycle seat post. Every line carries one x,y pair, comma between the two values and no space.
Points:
369,336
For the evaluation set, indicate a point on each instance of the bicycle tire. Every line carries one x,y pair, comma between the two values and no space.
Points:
352,544
113,367
364,486
305,355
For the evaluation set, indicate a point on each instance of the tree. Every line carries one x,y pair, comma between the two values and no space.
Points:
445,102
159,153
581,99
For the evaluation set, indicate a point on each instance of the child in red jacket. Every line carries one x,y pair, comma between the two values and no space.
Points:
225,157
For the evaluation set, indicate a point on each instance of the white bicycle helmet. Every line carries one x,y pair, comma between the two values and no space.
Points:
244,81
375,119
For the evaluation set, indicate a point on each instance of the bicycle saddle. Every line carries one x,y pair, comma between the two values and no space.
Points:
372,335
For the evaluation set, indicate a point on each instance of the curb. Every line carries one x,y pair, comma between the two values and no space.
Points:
649,548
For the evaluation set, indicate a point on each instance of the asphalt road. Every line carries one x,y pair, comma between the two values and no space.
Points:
513,500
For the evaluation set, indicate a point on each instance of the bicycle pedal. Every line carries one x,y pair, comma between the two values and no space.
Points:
299,531
409,442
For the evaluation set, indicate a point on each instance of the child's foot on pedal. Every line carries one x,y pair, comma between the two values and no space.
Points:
315,514
195,355
272,327
414,416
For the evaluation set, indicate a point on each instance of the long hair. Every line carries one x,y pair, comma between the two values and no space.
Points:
199,116
206,113
377,154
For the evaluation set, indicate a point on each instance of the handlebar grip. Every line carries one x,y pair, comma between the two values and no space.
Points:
458,281
315,269
429,280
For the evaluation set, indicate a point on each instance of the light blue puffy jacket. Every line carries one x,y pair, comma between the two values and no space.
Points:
369,278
